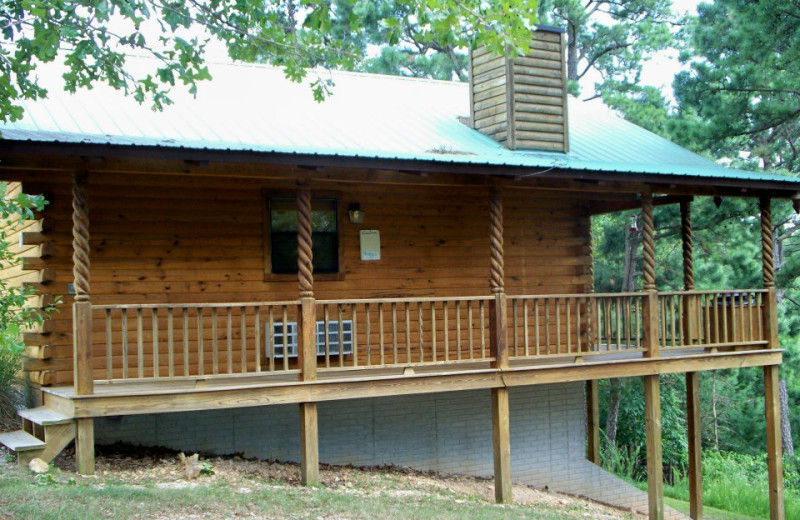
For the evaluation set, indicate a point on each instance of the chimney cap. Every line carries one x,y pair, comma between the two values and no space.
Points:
550,28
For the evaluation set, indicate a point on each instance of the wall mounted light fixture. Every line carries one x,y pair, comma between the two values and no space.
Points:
355,213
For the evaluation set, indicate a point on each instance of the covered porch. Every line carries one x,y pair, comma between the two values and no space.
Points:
149,358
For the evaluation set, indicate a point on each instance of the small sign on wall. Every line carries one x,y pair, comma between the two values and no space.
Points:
370,244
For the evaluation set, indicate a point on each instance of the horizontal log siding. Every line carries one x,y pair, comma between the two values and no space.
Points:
540,89
489,94
169,239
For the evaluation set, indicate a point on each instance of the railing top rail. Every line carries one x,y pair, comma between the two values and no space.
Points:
575,295
353,301
406,300
127,306
713,291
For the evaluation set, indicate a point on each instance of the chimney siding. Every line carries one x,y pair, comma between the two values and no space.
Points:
522,102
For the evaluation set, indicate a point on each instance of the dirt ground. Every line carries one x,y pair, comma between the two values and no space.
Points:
136,466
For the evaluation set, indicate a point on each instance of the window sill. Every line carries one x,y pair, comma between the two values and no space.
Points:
321,277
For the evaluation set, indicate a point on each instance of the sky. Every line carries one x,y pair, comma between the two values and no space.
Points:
662,68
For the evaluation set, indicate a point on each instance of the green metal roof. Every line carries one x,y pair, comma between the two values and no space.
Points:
255,109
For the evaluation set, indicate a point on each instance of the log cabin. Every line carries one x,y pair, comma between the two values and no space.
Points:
401,274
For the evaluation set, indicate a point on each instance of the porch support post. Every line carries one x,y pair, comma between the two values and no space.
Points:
771,393
695,446
650,300
652,391
499,347
307,352
82,321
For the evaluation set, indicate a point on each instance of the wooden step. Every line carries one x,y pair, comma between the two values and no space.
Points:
44,416
21,441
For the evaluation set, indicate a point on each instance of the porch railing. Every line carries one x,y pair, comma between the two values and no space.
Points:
201,340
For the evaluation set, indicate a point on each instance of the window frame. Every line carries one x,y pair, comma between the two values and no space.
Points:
266,235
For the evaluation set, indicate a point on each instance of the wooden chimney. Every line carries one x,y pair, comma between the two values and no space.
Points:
522,103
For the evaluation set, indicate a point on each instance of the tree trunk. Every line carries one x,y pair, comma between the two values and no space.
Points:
632,239
786,427
572,53
614,391
714,413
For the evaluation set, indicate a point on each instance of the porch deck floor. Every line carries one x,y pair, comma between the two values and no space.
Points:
278,378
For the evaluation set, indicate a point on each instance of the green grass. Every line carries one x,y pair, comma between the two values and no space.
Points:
59,496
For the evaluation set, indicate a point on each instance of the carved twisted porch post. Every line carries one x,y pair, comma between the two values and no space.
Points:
771,376
499,347
82,321
307,348
652,390
691,333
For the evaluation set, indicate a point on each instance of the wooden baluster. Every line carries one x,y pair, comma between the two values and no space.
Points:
139,344
458,330
547,325
201,361
421,333
433,331
270,339
326,329
354,332
525,340
185,312
156,363
380,332
558,325
257,325
243,336
109,353
471,330
514,328
394,333
285,337
229,337
446,325
407,306
171,341
214,341
483,329
124,343
725,338
368,334
340,334
538,343
568,318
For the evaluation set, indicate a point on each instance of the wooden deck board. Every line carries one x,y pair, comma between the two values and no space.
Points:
131,398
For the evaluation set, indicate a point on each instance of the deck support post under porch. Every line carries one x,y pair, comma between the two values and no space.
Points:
498,333
771,374
593,421
309,427
695,445
82,321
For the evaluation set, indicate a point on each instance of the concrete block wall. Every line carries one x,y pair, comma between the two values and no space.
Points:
448,432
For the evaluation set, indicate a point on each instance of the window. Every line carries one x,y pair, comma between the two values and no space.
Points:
288,341
282,228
